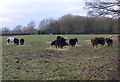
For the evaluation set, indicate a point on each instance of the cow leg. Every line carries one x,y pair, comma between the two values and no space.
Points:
74,46
61,47
111,44
56,46
97,46
93,45
108,44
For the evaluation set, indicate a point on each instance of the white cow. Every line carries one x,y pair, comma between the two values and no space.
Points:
10,40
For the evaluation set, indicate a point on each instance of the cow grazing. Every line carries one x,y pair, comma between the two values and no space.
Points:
60,42
72,42
76,40
100,40
10,40
22,41
16,41
59,37
96,41
66,44
109,41
53,43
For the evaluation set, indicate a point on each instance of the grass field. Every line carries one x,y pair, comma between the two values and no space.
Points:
36,60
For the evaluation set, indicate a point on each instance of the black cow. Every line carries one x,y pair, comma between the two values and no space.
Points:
22,41
100,40
53,43
76,40
59,37
109,41
60,42
72,42
16,41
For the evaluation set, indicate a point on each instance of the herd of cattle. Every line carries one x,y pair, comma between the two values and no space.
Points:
60,42
15,41
102,41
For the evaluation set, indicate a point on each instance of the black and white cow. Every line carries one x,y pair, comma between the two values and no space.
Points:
22,41
72,42
76,40
109,41
10,40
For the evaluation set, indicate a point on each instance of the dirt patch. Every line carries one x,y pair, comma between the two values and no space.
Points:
64,48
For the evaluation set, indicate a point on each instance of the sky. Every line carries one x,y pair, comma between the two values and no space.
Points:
21,12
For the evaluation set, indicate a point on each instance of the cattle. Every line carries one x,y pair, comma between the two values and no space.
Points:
59,37
100,40
16,41
109,41
10,40
96,41
60,42
76,40
53,43
22,41
72,42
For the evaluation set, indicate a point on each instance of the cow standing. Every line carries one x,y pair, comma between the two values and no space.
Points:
109,41
96,41
22,41
100,40
73,42
76,40
16,41
10,40
60,42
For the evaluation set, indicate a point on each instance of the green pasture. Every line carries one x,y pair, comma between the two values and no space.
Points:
35,61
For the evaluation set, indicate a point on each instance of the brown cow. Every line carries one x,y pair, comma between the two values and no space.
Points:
94,42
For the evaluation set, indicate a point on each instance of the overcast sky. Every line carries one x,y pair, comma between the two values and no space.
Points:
21,12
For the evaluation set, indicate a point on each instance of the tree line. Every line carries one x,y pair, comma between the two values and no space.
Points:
67,24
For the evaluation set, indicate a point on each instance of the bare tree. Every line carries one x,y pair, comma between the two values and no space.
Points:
5,30
31,27
18,29
46,25
103,8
